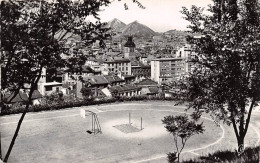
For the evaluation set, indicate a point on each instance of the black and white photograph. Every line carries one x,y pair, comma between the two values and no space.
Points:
129,81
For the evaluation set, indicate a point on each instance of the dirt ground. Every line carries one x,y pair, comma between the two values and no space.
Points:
60,136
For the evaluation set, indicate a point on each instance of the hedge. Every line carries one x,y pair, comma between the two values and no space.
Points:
64,105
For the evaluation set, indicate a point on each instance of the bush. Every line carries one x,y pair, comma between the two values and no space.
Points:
172,157
62,104
250,155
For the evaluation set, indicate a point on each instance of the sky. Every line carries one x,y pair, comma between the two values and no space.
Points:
159,15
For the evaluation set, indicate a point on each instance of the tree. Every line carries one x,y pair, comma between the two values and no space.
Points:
86,92
226,79
181,128
115,94
33,37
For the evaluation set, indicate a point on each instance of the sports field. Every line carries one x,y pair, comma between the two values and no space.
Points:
60,136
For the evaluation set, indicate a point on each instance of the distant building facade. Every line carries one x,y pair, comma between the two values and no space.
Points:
119,65
168,69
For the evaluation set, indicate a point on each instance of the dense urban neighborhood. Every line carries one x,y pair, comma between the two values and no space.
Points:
136,61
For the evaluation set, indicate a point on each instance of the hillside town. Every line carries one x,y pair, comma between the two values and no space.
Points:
172,81
136,61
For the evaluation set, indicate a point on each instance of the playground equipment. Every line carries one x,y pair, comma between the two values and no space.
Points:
95,122
141,126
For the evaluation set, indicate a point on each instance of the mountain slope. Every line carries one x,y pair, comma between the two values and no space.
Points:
115,25
137,29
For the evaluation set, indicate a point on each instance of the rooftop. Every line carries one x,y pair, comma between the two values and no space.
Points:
147,82
95,80
117,60
124,88
166,59
21,96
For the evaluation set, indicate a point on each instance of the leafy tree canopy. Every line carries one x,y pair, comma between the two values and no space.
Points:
35,34
182,129
225,81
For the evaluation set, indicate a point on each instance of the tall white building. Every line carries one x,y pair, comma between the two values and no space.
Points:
168,69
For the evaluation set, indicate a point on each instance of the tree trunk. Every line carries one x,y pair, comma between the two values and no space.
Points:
0,147
179,157
15,135
240,141
28,102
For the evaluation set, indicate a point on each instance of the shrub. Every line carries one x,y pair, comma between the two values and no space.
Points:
172,157
250,155
54,102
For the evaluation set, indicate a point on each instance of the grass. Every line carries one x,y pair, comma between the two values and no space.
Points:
250,155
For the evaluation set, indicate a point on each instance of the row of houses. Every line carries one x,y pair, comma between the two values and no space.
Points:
120,75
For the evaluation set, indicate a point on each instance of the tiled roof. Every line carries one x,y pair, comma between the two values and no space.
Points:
113,78
124,88
112,53
150,90
166,59
95,80
87,69
117,60
21,96
147,82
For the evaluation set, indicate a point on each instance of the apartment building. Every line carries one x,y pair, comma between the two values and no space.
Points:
168,69
117,65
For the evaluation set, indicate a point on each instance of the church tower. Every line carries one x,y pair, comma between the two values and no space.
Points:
129,47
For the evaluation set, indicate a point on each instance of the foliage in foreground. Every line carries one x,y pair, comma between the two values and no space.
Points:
251,155
225,82
182,129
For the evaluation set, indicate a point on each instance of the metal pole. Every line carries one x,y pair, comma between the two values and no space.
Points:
129,118
141,123
92,123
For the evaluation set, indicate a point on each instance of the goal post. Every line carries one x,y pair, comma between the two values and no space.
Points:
83,113
95,125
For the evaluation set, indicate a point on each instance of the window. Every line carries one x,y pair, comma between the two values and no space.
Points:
48,88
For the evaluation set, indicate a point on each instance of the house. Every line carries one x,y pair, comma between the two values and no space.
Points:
49,88
150,91
141,71
149,87
114,80
127,90
96,83
147,83
128,78
22,97
118,64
